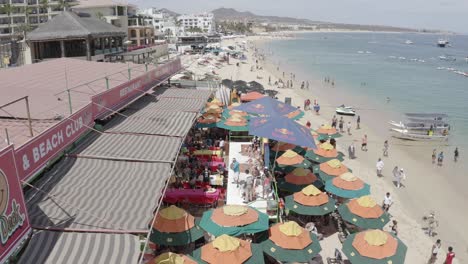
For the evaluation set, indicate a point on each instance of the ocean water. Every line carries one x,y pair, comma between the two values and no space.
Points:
369,67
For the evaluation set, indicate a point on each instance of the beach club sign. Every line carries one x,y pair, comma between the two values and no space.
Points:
35,154
14,224
118,97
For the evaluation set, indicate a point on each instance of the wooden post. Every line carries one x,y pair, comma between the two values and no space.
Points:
7,136
29,117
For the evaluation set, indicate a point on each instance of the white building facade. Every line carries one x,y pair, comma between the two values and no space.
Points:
162,22
197,23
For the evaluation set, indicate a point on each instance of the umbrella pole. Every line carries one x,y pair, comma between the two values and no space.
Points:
275,185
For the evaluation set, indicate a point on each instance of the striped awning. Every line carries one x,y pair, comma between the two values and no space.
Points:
130,147
184,93
97,194
48,247
152,122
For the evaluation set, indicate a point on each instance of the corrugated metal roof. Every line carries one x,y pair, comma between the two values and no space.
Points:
172,104
109,194
68,25
125,146
183,93
49,247
18,130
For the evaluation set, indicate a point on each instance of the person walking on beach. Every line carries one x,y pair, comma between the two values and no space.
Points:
394,227
348,127
435,251
302,86
450,256
380,165
352,151
400,176
317,108
385,148
334,120
269,80
248,187
440,158
235,167
341,125
387,202
364,143
358,122
308,124
455,156
434,154
307,85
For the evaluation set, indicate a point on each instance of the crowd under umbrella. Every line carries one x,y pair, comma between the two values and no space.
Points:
266,106
328,131
347,186
297,179
174,226
323,153
228,249
172,258
374,246
330,169
234,220
310,201
289,242
364,213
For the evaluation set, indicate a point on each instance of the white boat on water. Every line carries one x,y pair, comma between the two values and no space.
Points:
420,126
408,135
345,110
408,42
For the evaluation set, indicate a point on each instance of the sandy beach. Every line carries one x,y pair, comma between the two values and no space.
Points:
425,189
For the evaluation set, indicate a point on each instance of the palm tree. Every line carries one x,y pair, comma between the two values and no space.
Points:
45,5
8,9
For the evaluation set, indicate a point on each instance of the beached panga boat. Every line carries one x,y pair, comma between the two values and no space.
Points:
409,135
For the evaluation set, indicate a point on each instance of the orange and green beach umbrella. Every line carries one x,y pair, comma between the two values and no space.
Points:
226,249
173,226
290,160
330,169
364,212
310,201
208,120
347,186
234,220
213,109
172,258
296,115
328,131
374,246
215,101
289,242
234,123
297,179
324,152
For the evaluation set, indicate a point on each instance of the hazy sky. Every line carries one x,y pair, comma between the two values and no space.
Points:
433,14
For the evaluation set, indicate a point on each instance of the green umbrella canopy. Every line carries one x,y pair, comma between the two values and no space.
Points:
291,249
347,186
231,125
326,136
179,238
312,156
374,247
306,203
234,224
364,212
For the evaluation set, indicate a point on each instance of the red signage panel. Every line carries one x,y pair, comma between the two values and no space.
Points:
119,96
14,222
35,154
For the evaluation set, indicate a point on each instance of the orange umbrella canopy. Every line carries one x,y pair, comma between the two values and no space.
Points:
251,96
226,249
283,146
236,121
347,181
290,157
311,196
208,118
290,235
327,129
215,101
300,176
365,207
326,150
234,215
233,105
333,167
376,244
172,258
173,220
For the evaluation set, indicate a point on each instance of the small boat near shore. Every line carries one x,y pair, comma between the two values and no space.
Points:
345,110
423,127
408,135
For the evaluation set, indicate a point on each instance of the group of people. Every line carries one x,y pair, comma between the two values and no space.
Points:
316,106
440,157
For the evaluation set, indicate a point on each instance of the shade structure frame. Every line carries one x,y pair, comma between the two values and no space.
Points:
292,255
262,224
290,187
179,238
301,209
347,194
354,257
256,258
361,222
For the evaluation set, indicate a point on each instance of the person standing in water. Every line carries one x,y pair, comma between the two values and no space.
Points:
358,122
434,155
385,148
455,157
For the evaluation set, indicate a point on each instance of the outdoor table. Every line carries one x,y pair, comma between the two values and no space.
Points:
195,196
214,165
